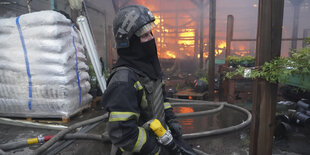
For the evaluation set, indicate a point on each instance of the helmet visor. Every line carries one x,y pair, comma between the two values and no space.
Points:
146,28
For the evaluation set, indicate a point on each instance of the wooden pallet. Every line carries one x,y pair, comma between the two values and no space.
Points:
56,119
62,120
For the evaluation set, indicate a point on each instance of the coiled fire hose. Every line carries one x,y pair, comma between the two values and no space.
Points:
174,102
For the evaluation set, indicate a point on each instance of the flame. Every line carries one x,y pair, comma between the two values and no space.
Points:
184,47
187,34
157,20
220,47
168,55
242,53
186,42
218,51
205,55
183,109
188,54
241,48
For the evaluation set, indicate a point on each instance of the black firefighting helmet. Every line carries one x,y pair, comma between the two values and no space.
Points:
130,20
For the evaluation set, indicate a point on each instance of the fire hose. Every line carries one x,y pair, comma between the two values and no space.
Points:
175,102
182,102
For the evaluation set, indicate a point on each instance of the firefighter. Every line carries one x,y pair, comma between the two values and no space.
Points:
135,93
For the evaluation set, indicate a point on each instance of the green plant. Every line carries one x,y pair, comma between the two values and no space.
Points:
204,79
307,40
202,75
279,69
242,61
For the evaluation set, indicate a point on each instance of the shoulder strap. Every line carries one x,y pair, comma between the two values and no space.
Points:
138,73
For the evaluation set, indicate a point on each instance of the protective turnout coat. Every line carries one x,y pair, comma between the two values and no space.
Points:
132,99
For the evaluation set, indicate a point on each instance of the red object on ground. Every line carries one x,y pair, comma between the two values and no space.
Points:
46,138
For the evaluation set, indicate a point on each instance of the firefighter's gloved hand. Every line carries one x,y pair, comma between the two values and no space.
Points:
153,147
175,127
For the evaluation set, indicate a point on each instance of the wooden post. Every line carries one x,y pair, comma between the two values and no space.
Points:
196,42
212,20
231,91
229,37
305,35
201,34
177,48
269,33
296,4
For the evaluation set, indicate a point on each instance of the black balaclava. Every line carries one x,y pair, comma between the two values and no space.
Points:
140,56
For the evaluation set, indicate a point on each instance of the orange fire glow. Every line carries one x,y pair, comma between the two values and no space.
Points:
183,109
242,53
219,49
191,33
181,44
170,54
186,42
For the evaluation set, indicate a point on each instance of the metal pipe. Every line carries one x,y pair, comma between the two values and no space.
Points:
91,49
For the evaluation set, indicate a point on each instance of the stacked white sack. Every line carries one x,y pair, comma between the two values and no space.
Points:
56,88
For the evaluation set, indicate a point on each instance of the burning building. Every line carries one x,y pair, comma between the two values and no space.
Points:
178,35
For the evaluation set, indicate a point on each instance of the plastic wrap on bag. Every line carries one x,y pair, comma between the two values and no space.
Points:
37,19
9,77
48,108
43,91
42,67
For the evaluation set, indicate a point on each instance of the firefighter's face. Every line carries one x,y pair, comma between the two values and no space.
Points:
146,37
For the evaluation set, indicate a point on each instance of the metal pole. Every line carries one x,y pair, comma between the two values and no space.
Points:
92,51
212,30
